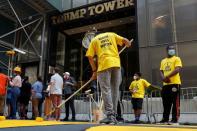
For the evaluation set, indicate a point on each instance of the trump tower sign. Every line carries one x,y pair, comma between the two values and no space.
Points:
91,10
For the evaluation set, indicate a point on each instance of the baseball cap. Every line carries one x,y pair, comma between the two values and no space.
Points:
66,73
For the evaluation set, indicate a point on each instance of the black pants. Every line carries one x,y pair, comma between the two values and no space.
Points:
171,99
40,106
69,103
119,112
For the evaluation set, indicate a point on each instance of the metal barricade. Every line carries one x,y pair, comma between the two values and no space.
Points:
188,104
152,105
189,100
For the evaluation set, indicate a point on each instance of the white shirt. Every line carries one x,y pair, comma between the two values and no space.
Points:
56,84
16,81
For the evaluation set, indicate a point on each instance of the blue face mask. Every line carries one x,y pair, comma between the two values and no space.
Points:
171,52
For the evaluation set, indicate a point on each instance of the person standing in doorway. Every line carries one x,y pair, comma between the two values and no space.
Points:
169,71
56,92
3,85
105,47
69,87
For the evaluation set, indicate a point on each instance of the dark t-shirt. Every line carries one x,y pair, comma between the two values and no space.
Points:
68,89
25,93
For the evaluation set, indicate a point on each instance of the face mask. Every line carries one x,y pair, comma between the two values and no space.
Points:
135,77
171,52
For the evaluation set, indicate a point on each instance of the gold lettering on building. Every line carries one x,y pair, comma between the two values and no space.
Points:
74,15
109,6
82,12
129,3
99,9
92,10
120,4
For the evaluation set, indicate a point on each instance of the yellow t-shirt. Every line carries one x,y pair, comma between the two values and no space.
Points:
168,65
104,46
139,86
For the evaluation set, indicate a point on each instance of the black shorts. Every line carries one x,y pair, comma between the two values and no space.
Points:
137,103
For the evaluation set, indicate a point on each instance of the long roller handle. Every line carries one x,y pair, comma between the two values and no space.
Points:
124,47
64,101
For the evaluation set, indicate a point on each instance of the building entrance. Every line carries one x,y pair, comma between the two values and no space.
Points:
70,54
77,63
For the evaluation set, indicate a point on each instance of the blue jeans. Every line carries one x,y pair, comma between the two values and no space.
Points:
15,92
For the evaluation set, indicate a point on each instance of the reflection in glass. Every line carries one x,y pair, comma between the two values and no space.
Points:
92,1
60,49
186,17
160,22
77,3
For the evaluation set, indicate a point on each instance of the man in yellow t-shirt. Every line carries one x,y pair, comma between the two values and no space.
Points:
138,88
104,47
169,71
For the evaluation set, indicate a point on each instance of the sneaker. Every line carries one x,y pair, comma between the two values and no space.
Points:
174,122
163,121
109,120
120,119
65,119
73,119
135,122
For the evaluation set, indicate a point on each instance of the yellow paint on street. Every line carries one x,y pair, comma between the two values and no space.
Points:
26,123
137,128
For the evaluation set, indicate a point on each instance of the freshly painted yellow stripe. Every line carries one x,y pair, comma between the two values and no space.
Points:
22,123
135,128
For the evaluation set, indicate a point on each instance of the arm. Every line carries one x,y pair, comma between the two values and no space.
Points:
11,82
174,72
155,87
72,82
162,75
152,88
93,66
131,89
126,42
15,81
32,90
69,83
164,79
